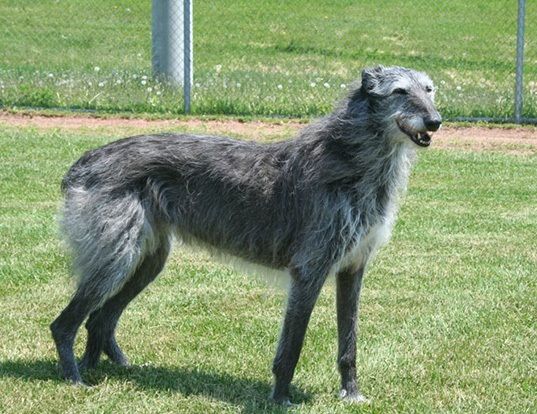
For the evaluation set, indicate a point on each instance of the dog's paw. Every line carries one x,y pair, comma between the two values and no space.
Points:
353,397
80,384
281,400
284,403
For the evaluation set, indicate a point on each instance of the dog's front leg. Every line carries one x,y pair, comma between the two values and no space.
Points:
349,283
303,294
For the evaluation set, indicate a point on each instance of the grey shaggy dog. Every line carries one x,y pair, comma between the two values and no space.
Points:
316,205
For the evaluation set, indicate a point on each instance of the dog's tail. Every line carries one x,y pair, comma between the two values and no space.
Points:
109,235
76,175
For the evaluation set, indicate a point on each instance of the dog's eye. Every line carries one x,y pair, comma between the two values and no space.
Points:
400,91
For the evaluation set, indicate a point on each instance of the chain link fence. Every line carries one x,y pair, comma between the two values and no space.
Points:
268,58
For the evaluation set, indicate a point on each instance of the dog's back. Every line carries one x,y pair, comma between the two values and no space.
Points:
215,191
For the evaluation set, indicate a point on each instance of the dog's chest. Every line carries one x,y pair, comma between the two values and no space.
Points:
366,247
368,241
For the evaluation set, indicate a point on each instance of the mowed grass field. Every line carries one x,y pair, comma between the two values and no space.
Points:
253,57
448,317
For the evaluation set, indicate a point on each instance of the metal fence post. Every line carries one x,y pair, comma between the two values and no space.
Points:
171,27
519,61
188,52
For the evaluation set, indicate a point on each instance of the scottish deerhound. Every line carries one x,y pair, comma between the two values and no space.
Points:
316,205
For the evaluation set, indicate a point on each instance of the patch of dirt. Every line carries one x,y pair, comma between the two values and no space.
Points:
77,122
513,140
266,131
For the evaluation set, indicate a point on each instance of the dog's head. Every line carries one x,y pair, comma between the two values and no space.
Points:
403,101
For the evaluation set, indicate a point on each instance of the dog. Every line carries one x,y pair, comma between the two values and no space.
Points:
319,204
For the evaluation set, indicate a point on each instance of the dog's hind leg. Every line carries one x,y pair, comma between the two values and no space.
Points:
108,244
92,292
102,323
349,283
305,289
64,330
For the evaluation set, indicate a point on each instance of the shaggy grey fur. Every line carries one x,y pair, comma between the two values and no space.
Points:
321,203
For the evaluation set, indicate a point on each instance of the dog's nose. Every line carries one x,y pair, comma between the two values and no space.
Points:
432,124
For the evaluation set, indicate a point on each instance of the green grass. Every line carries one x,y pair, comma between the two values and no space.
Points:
254,57
448,318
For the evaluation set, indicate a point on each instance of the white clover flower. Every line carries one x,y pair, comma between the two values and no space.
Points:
280,87
119,81
458,88
218,68
144,82
150,89
159,93
197,85
96,68
238,84
313,84
101,84
50,75
326,85
342,86
144,77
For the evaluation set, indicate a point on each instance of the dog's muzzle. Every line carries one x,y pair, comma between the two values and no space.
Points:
420,137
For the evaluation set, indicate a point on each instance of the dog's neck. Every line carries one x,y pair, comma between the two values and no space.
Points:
371,168
360,155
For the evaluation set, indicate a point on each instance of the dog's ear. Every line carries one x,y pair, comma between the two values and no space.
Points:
370,79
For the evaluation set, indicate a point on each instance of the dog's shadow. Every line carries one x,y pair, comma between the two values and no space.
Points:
249,394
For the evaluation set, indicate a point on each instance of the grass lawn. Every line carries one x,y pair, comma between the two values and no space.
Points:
448,318
254,57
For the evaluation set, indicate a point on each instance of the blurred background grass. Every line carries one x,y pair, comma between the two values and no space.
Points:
254,57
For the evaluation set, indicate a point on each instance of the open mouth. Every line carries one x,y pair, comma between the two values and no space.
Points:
423,139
